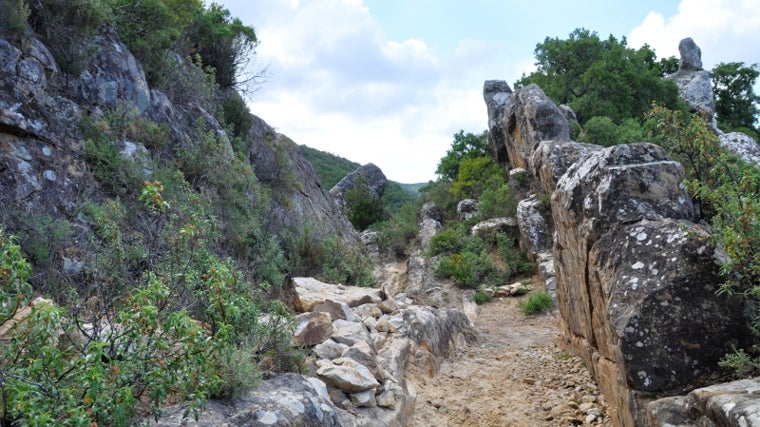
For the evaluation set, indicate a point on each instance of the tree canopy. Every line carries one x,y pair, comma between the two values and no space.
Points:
736,103
599,77
465,145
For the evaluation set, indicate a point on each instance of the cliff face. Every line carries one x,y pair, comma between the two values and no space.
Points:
635,279
44,168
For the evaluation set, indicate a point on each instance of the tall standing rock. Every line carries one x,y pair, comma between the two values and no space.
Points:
694,83
496,93
531,117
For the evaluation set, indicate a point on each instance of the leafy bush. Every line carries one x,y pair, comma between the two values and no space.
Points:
537,302
13,18
362,208
475,175
468,269
602,131
399,230
741,363
482,297
497,202
313,253
451,239
236,113
515,261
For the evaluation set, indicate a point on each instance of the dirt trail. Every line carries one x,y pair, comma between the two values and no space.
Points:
519,373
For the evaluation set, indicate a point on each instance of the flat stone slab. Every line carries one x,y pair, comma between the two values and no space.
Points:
310,292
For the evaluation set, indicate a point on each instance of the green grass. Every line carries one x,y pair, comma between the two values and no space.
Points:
537,302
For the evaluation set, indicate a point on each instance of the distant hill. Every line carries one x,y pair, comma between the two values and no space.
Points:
331,168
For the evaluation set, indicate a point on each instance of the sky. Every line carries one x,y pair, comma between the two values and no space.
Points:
391,81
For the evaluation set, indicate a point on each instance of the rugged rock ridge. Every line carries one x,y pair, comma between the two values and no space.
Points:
635,280
42,153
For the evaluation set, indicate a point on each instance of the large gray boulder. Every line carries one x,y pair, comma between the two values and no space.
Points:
691,55
114,78
369,175
530,117
285,400
732,404
496,94
694,83
430,223
636,281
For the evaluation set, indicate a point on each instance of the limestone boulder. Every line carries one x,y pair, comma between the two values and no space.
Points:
310,292
657,321
553,158
694,83
430,223
329,349
467,209
496,94
350,333
284,400
492,226
336,309
732,404
369,175
741,145
636,281
530,117
691,55
533,223
312,328
346,374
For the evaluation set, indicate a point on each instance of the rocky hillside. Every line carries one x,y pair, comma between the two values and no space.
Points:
636,275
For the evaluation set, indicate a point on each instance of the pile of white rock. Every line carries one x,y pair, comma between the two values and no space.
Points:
362,340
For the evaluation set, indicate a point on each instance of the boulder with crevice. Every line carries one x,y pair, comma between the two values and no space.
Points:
496,94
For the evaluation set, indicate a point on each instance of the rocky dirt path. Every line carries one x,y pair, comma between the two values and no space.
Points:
519,373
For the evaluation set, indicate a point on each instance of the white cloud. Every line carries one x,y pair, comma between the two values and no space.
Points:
340,85
725,30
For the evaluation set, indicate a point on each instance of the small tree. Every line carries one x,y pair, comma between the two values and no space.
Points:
736,103
362,208
465,146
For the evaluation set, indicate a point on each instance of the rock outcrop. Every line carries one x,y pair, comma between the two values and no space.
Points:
369,175
728,404
694,83
298,200
42,148
635,278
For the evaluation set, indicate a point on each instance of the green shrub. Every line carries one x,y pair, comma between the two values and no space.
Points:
468,269
66,26
451,239
497,202
537,302
13,18
475,175
515,260
236,113
362,208
741,363
399,230
482,297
